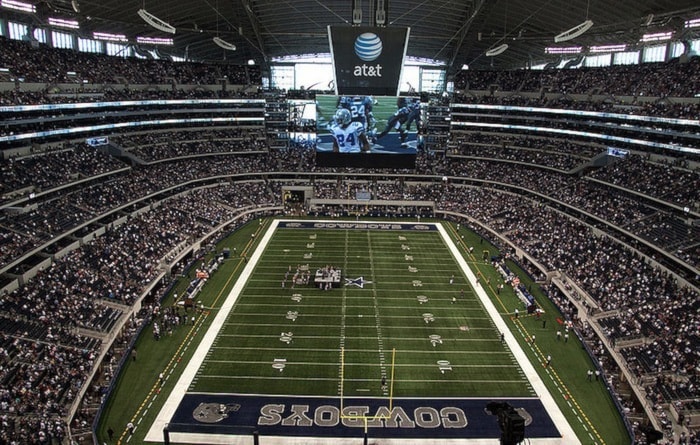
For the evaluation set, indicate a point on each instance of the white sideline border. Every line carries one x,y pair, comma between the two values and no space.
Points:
568,435
155,433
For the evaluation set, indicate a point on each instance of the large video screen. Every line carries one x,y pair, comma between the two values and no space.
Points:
368,131
368,59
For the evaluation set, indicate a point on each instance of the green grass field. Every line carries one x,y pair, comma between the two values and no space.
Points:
341,342
367,323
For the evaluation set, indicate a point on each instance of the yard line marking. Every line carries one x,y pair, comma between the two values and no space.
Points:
285,324
322,364
331,379
388,337
416,351
246,315
378,324
343,309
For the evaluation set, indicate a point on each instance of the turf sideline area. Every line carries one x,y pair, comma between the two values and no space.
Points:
155,433
568,435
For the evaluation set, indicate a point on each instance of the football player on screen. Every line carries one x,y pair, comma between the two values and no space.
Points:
348,136
414,108
360,108
397,121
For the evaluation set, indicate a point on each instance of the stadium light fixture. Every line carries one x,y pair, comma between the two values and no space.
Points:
356,12
155,22
573,32
18,6
224,44
656,37
563,49
608,48
155,40
64,23
380,14
694,23
497,50
109,37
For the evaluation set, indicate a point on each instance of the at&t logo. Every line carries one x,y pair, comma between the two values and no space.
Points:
368,47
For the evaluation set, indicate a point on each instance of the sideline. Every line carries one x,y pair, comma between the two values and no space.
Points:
553,375
155,433
568,434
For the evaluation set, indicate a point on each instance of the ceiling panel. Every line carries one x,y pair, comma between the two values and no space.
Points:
456,32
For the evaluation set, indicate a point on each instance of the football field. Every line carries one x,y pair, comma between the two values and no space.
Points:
344,330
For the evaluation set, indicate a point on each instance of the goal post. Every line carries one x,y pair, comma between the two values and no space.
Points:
365,419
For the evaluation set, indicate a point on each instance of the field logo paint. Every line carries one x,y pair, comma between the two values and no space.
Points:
214,412
359,282
354,417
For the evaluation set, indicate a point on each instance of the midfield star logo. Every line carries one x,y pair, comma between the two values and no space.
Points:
359,282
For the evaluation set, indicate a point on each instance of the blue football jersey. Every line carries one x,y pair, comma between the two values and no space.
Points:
360,107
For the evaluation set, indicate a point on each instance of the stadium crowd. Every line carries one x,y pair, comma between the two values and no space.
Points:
41,64
45,361
663,108
175,144
669,79
556,153
57,165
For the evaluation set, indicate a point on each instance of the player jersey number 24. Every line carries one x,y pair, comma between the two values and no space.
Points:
348,138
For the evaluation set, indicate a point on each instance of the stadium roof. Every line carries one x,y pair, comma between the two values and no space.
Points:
456,32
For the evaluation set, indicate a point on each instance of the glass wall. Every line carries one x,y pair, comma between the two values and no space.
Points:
626,58
17,31
598,60
282,76
656,53
117,49
40,35
313,76
695,46
677,49
432,80
90,46
62,40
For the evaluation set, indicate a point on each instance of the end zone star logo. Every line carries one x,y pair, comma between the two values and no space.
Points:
359,282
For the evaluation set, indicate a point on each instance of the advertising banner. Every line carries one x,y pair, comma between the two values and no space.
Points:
368,60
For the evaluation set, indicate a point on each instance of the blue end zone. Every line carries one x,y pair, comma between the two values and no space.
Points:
320,417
